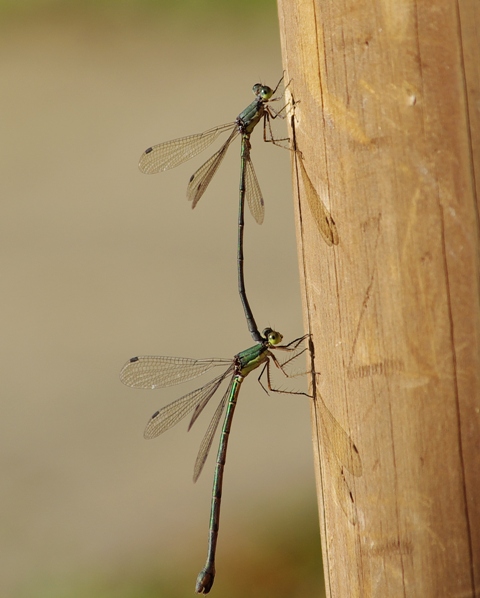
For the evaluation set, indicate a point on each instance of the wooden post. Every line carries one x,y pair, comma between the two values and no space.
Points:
387,119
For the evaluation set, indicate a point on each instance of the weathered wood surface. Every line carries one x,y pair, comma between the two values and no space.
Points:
387,119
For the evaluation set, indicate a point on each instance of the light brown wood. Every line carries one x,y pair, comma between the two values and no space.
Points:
387,119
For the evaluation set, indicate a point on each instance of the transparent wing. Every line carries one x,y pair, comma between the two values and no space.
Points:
172,413
323,219
209,434
200,180
148,371
172,153
253,193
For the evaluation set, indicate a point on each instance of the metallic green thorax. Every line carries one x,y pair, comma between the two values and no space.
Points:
251,116
250,359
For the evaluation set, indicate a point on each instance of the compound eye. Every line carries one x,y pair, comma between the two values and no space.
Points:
274,338
265,92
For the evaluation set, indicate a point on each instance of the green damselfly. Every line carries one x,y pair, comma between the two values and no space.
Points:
158,372
172,153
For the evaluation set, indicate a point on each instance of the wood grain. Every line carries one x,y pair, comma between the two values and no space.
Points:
387,119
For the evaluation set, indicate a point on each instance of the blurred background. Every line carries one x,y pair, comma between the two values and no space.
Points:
100,263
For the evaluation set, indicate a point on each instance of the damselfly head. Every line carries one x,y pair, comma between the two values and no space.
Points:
272,337
262,92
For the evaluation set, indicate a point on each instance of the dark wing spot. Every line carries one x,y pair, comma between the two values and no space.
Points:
155,415
134,359
147,151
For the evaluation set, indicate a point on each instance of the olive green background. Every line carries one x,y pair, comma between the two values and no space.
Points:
100,263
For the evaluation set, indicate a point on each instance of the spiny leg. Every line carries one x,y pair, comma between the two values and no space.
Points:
269,384
271,114
295,343
284,89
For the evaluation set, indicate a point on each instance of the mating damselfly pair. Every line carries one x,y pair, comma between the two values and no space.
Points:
157,372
